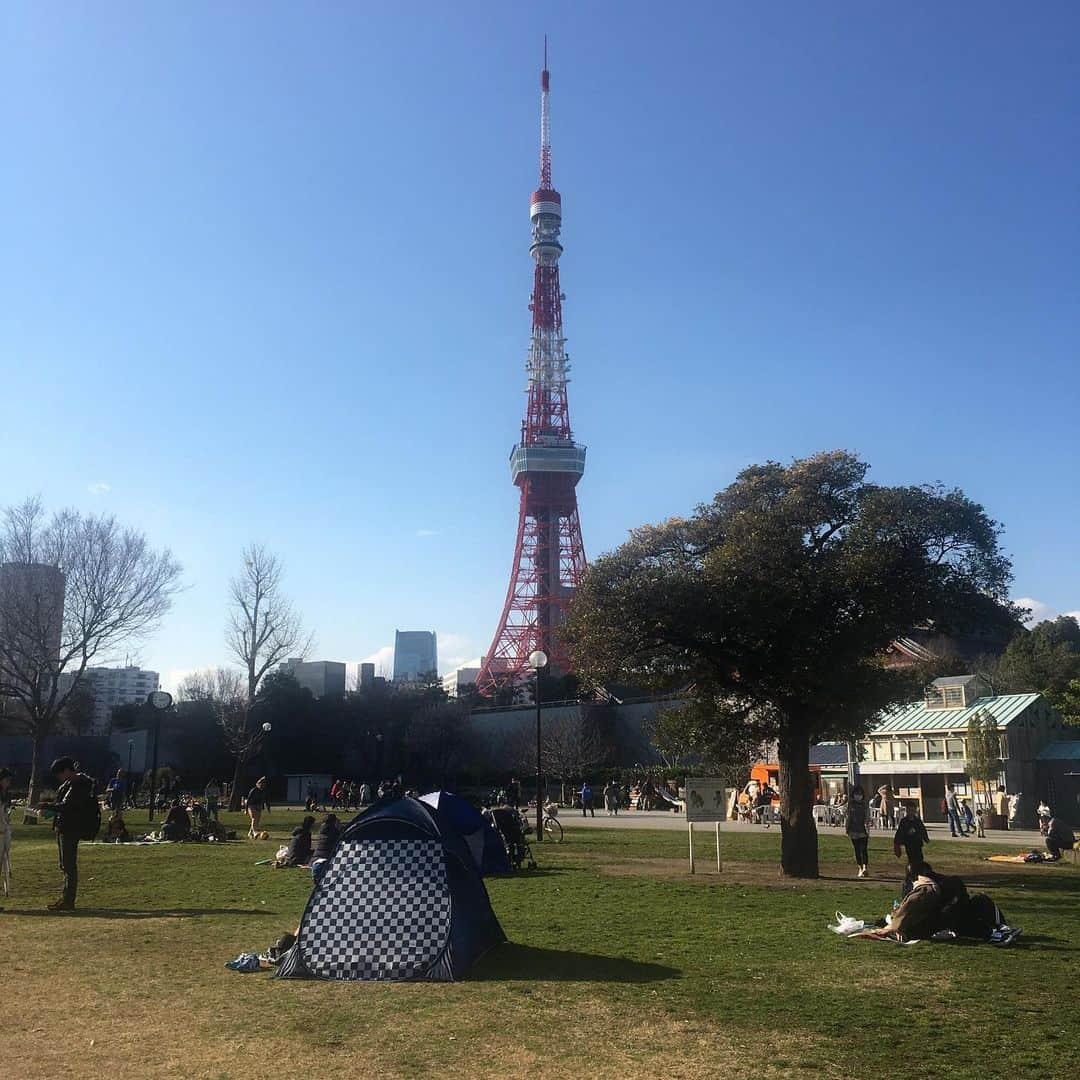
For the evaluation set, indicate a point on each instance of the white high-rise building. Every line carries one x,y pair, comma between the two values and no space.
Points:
415,655
116,686
459,680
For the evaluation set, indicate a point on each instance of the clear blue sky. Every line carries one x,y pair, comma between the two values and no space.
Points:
265,276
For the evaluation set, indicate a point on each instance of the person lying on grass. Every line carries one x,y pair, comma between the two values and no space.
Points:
299,851
940,902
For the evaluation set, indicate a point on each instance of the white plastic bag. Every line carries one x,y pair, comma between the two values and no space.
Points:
846,925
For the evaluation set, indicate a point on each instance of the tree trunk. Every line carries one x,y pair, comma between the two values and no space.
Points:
798,833
234,792
35,766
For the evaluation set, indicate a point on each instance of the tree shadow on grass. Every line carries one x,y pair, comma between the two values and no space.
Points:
127,913
527,963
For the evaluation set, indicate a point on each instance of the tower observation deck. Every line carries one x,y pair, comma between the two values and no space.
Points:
546,464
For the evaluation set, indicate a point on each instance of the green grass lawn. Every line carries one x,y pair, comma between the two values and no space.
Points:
619,964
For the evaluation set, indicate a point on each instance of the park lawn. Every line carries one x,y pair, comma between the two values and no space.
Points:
619,962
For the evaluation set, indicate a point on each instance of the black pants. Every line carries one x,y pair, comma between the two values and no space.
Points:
859,843
68,846
587,808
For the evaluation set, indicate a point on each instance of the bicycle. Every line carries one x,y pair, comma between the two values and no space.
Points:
553,830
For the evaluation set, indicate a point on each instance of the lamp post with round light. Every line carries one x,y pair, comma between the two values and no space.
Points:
538,660
159,701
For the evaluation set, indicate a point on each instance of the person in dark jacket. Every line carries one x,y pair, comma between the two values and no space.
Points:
73,798
855,827
1059,837
910,836
328,837
255,804
299,851
177,823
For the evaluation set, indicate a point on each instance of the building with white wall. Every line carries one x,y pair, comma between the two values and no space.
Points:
115,686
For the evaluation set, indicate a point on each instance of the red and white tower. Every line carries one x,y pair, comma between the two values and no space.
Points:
549,558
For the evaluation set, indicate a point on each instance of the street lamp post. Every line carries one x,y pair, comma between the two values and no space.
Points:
538,660
159,701
127,775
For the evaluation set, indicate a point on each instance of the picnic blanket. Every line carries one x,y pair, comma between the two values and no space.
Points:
1023,857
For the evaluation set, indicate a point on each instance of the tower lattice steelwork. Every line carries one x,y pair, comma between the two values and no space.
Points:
549,558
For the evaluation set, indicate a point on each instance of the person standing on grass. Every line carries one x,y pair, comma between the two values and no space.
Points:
74,799
586,800
5,831
855,827
212,791
256,803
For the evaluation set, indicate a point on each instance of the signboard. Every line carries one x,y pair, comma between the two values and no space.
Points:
706,799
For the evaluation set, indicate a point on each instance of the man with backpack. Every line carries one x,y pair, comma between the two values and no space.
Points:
78,817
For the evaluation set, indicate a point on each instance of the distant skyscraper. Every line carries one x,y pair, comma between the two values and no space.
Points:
31,624
415,654
324,678
367,676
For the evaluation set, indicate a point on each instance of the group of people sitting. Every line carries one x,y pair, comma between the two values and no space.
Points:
305,849
939,906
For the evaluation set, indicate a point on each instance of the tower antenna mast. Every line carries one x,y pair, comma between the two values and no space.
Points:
546,465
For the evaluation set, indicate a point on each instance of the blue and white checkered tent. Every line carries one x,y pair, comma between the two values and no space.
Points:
402,899
454,812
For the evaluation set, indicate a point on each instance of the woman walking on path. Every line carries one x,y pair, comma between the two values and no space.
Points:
855,827
256,803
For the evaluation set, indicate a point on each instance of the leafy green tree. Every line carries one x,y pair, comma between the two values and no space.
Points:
984,751
1045,659
776,601
686,737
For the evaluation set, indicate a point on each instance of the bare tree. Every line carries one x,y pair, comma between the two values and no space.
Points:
264,629
73,589
570,746
223,690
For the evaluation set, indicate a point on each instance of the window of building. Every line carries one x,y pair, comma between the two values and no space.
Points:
955,749
935,749
898,751
954,697
917,749
880,751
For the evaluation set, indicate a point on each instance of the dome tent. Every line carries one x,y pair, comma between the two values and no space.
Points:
401,900
488,853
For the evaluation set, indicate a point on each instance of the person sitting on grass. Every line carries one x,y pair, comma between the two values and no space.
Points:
328,838
116,831
918,914
1059,837
299,851
177,824
969,916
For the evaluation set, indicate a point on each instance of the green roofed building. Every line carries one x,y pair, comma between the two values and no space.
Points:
920,747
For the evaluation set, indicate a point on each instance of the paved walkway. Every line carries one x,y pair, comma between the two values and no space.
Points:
658,819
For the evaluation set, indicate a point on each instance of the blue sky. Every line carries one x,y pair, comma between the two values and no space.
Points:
265,275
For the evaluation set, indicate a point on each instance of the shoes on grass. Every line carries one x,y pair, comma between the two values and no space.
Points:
1004,935
247,961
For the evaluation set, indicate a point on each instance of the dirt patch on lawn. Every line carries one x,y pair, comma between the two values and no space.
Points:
734,872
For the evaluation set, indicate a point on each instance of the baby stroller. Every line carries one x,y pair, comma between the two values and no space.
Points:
513,830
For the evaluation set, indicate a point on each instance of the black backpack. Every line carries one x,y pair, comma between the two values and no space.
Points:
85,814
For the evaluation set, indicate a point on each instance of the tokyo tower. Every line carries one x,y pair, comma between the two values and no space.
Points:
549,557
